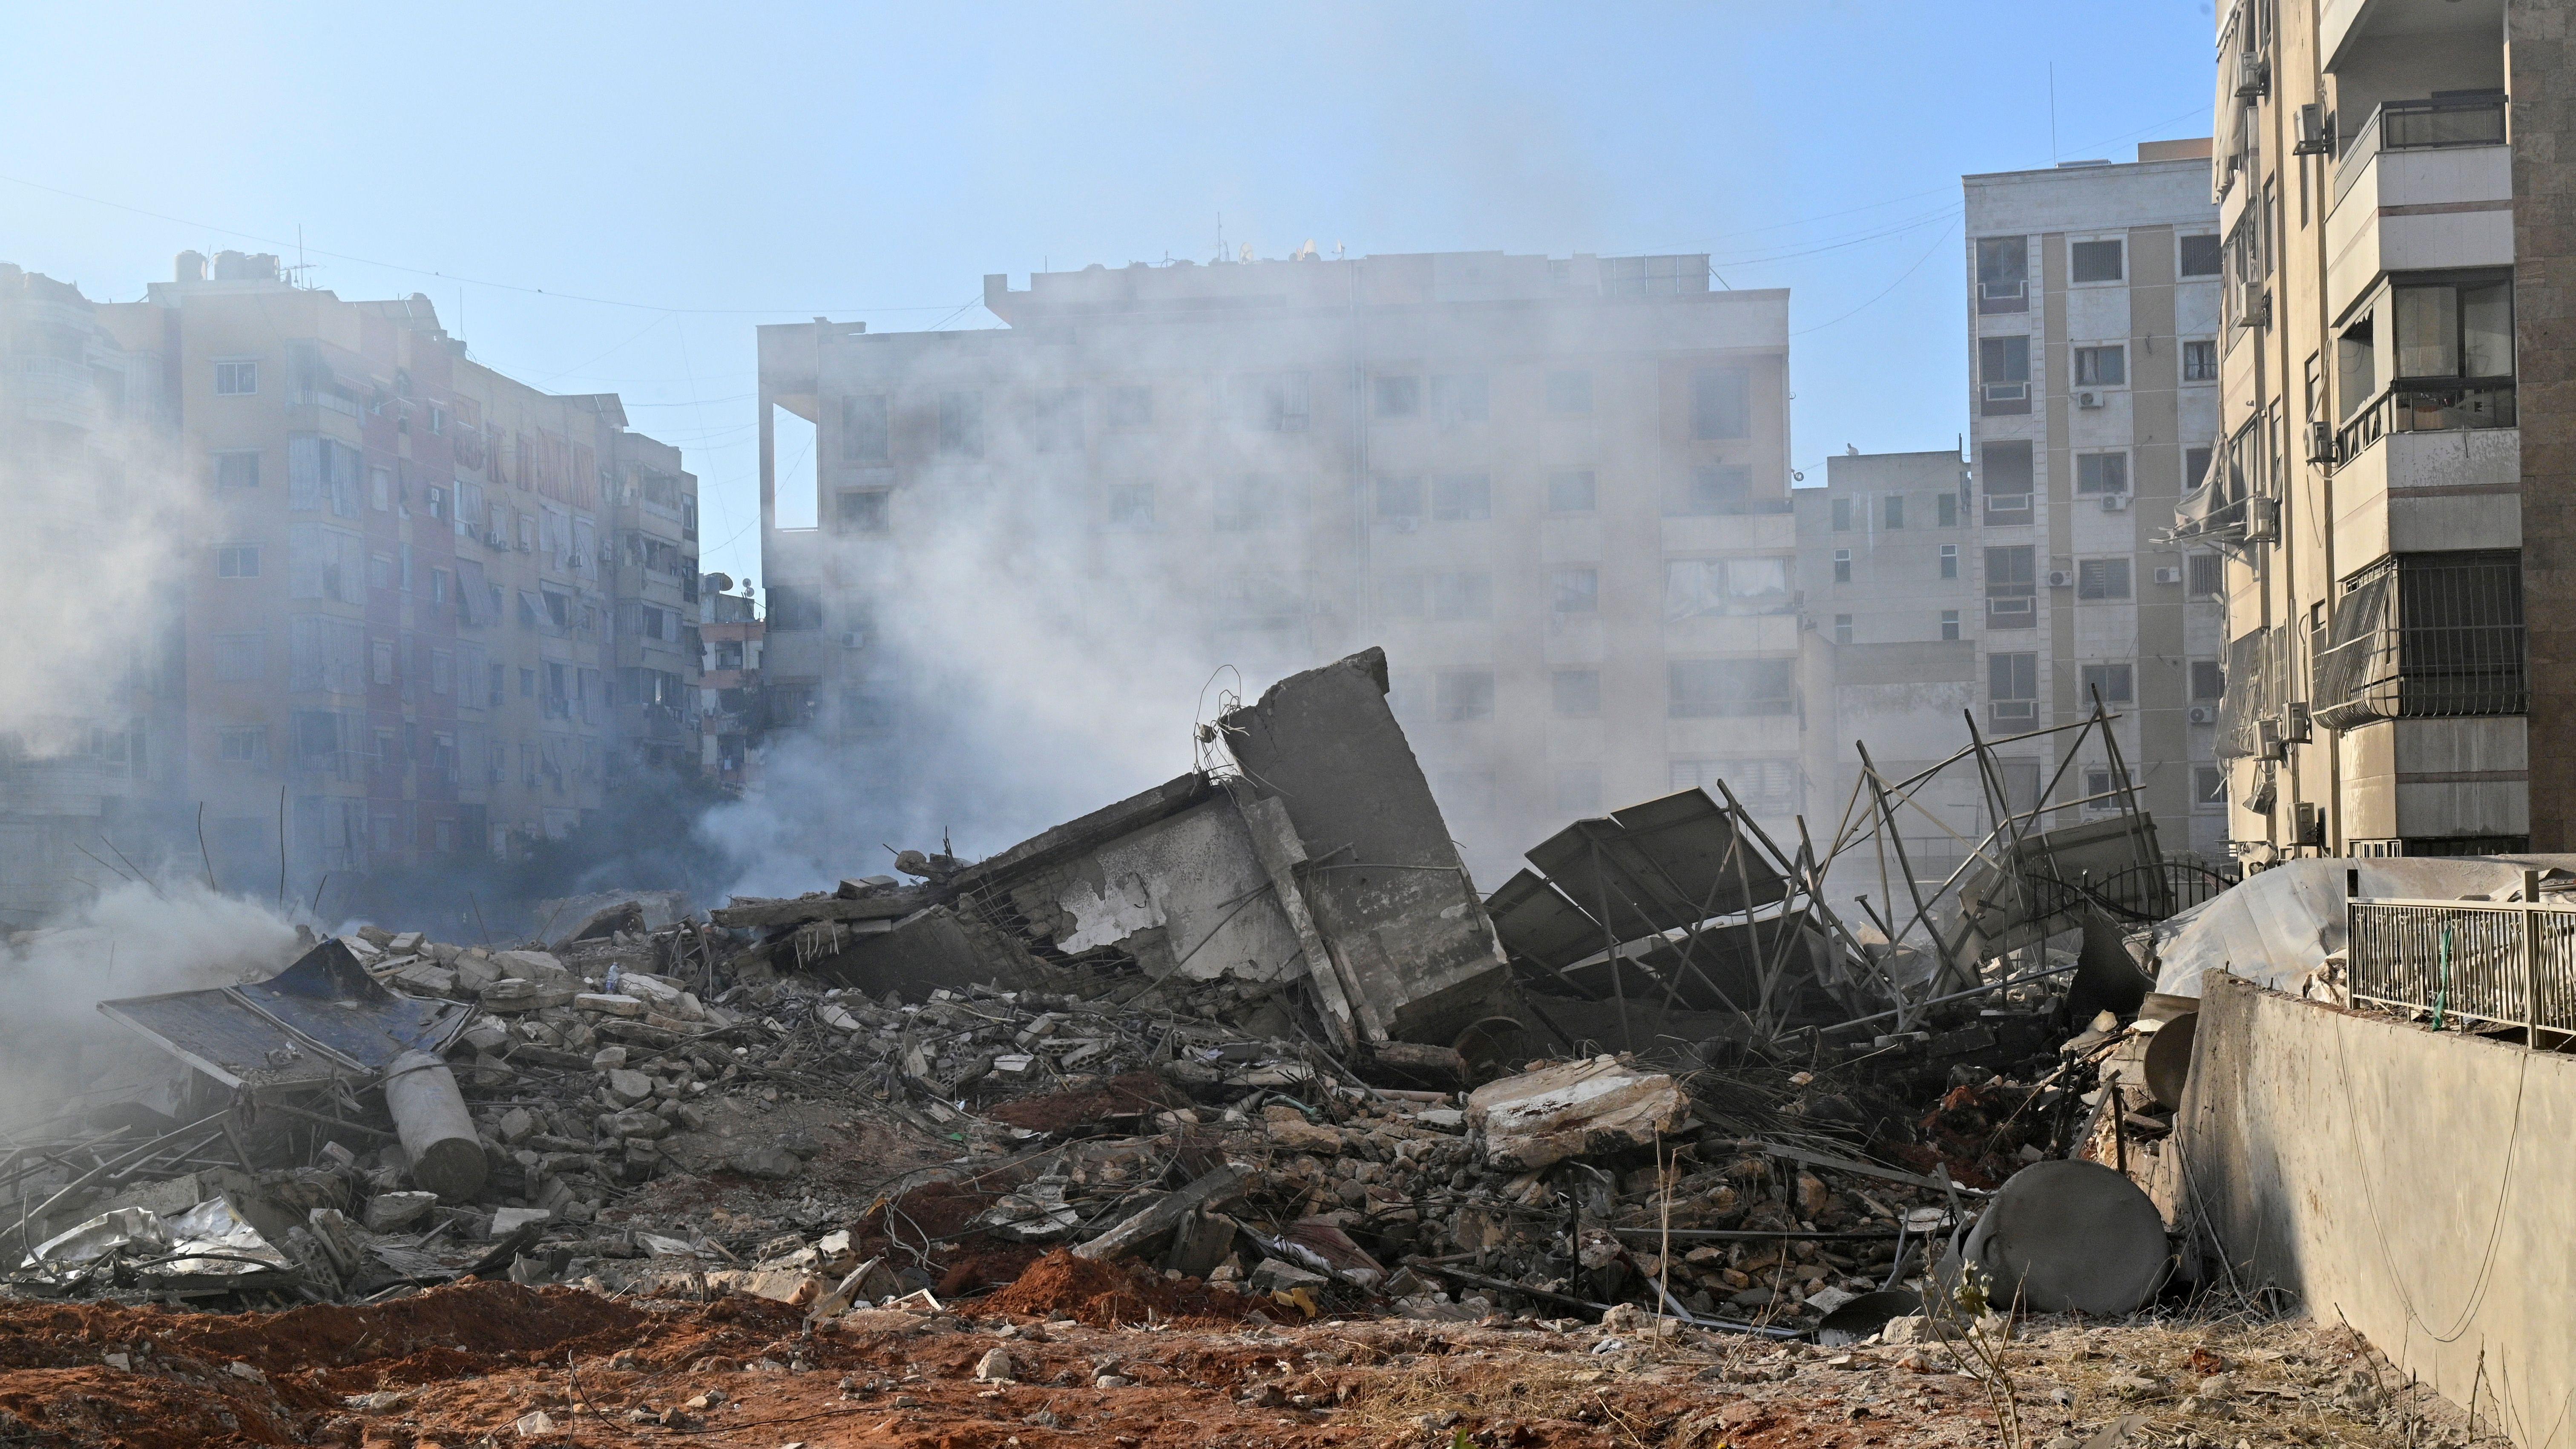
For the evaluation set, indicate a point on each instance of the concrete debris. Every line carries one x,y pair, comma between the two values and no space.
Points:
1574,1109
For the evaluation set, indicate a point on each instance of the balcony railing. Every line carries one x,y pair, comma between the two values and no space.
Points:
2421,126
2426,640
2428,407
2472,965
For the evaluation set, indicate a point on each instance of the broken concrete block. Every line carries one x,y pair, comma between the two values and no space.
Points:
506,1221
1278,1275
392,1212
607,1005
608,1058
1145,1229
770,1161
1541,1118
1300,1135
516,1126
409,943
535,966
512,995
995,1367
634,1122
425,978
629,1087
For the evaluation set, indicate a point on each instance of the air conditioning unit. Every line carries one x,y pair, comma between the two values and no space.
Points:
2254,309
2295,725
2311,122
2168,575
2088,399
2253,77
2060,579
2262,520
2321,444
2268,736
2201,714
2115,503
2307,823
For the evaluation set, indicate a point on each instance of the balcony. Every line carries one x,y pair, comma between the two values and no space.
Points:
2422,186
2437,406
2437,636
2004,399
53,390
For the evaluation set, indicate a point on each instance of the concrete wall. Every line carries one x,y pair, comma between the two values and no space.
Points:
2409,1183
2544,301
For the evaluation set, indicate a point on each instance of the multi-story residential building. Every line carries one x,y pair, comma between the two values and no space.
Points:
2395,432
1556,490
733,702
655,580
2095,334
1887,575
399,625
91,762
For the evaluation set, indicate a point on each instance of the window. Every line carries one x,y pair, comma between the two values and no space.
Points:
865,437
1945,509
1575,591
1892,511
2003,372
1459,397
380,488
1246,502
1730,688
2199,360
1721,402
793,607
1397,397
237,561
1842,566
1710,587
2195,468
2455,330
2102,578
1842,515
2208,679
1576,692
1569,394
1764,787
1055,420
438,586
528,682
1462,595
322,473
1949,560
2012,588
2094,261
2102,473
2208,575
236,379
1131,407
2112,682
867,708
2101,366
1399,500
2208,787
1578,790
240,658
2008,479
1464,694
1949,623
863,510
1270,402
1570,492
381,653
961,424
434,498
2012,687
2003,274
380,571
236,470
1708,492
2200,255
242,746
1461,497
1129,505
1842,628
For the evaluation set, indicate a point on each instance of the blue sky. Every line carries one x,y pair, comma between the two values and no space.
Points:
609,198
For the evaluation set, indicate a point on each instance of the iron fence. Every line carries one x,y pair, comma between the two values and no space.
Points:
2502,965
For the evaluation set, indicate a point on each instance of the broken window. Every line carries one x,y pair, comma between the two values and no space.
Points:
865,435
1131,407
1466,595
2208,787
2199,255
236,470
1461,497
2102,473
2102,366
864,510
237,561
1396,397
2003,375
1708,492
1708,587
2102,578
1270,402
1576,693
322,473
1575,591
961,424
2094,261
2208,679
1129,505
1569,394
236,379
2113,683
325,563
1570,491
1464,694
794,607
1728,688
1721,402
1458,397
2199,360
2008,479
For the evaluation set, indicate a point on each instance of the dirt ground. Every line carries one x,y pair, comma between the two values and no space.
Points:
467,1365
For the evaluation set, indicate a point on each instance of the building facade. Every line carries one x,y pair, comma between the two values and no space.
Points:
2095,337
422,608
2394,191
733,698
1556,490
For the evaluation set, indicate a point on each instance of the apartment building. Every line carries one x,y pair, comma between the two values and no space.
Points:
399,582
1555,489
1888,579
733,696
2095,335
90,729
2395,436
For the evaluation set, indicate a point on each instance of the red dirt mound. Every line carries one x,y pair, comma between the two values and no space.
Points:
1104,1295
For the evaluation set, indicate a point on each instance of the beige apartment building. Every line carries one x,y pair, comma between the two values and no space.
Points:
2395,443
2095,335
1556,491
412,593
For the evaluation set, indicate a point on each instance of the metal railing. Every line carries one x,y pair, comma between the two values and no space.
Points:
2421,126
2434,407
2508,964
